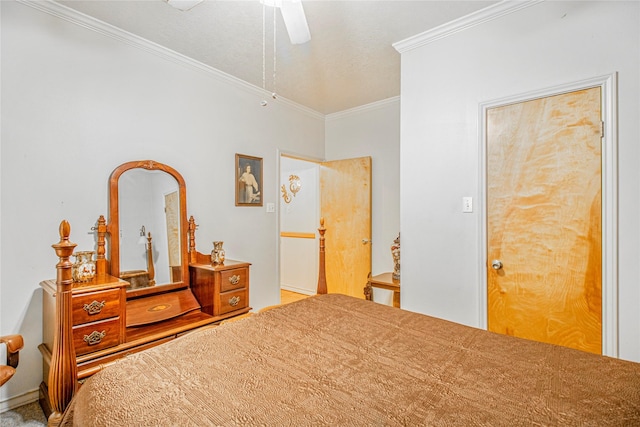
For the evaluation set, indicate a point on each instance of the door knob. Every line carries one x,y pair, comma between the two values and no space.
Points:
365,241
496,264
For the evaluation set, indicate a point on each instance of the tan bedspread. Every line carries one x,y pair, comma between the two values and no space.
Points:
339,361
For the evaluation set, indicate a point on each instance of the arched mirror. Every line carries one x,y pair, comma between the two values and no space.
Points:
148,227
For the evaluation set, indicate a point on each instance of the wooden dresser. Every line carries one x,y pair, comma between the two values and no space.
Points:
102,332
89,325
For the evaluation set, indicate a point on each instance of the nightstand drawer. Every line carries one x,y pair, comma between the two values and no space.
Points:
95,306
233,279
231,301
96,336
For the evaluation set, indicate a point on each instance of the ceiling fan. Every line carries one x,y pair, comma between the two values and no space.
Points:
292,14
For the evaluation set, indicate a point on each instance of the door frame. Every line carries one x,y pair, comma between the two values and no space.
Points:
608,86
279,154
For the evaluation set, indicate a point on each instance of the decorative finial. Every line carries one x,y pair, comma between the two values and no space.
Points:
65,230
64,248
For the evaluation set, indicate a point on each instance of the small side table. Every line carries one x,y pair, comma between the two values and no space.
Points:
383,281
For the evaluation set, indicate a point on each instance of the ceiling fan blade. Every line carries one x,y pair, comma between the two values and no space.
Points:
184,5
295,21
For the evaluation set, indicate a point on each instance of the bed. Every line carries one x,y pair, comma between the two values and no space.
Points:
338,360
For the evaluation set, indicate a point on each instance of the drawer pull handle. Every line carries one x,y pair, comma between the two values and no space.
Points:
95,307
233,301
95,337
235,279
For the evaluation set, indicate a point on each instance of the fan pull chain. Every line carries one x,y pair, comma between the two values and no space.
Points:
264,54
273,94
264,71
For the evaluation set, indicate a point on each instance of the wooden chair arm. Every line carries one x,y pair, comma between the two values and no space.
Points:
6,372
14,344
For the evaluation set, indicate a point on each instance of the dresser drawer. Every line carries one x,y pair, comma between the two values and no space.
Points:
233,279
96,336
95,306
231,301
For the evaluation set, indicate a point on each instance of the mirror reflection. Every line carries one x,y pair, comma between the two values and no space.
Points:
149,228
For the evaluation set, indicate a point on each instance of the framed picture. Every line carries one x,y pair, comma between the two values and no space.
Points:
248,180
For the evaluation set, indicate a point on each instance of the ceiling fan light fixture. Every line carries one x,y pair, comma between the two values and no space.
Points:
184,5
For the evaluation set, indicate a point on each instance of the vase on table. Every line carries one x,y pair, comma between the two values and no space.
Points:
84,269
395,253
217,254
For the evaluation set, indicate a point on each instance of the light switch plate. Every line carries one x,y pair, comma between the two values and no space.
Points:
467,204
271,207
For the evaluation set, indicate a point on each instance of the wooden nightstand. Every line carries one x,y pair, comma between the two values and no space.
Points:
383,281
223,290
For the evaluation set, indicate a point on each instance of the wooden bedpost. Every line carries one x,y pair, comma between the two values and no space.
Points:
322,278
63,373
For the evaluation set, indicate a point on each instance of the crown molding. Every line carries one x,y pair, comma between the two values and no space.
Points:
78,18
363,108
487,14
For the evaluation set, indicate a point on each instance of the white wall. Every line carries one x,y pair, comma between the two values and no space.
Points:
75,105
443,83
373,130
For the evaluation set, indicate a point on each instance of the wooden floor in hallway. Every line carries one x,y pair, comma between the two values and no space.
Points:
287,296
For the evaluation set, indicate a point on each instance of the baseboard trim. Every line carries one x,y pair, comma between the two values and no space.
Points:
19,400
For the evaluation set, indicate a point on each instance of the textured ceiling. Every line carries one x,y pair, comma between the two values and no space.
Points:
349,61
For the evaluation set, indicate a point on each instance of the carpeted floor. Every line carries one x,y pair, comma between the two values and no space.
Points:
29,415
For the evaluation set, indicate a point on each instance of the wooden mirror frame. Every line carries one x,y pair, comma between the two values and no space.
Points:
113,228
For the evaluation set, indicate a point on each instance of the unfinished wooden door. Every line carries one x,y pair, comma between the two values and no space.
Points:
345,205
544,219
